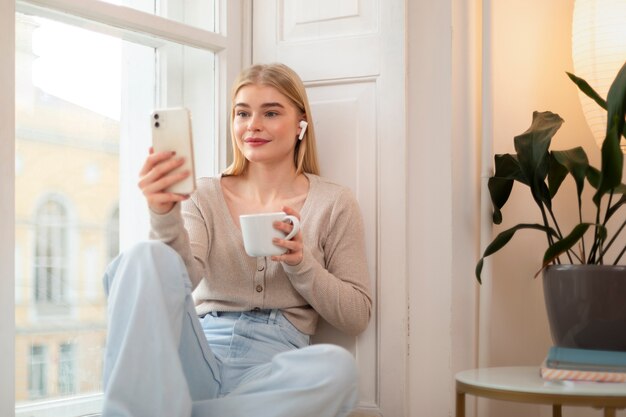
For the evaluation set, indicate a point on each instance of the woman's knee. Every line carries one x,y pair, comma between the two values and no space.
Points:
135,263
335,366
343,364
154,249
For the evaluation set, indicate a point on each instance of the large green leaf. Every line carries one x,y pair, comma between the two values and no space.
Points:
565,244
620,189
612,157
556,175
593,176
507,166
615,207
576,163
506,171
587,89
591,93
499,190
532,152
503,238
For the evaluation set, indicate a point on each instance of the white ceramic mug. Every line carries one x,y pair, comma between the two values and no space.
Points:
258,231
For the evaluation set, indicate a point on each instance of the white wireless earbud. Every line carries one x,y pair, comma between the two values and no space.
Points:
303,126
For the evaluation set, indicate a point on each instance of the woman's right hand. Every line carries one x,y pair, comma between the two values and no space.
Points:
156,175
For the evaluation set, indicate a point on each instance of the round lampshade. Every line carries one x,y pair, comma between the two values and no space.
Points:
599,51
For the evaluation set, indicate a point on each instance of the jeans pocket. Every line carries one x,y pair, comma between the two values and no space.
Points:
291,334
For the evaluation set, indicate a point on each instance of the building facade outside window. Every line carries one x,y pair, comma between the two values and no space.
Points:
82,104
68,177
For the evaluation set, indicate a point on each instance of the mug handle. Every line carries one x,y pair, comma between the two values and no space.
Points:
296,226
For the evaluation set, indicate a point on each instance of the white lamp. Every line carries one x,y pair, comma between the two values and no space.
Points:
599,51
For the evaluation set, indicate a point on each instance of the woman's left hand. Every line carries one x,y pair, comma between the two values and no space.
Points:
294,246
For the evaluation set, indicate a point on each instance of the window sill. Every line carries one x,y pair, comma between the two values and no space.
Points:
77,406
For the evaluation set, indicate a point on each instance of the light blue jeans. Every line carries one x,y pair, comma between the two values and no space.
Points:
162,361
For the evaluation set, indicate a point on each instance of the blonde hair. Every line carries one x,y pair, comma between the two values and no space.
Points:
288,83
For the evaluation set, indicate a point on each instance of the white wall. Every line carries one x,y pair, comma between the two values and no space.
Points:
476,72
442,142
531,52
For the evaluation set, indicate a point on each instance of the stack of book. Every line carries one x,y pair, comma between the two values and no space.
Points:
584,365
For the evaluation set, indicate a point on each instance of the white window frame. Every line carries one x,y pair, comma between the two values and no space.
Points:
231,46
7,208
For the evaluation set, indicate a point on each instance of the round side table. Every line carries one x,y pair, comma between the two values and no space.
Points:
524,384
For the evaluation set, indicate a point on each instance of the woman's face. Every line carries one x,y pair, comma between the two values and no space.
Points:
266,124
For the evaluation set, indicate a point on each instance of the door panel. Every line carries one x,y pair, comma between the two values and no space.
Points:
345,126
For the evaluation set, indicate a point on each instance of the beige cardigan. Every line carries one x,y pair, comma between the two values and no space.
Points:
331,281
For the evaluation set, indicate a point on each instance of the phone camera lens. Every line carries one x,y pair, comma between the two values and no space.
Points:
156,116
156,124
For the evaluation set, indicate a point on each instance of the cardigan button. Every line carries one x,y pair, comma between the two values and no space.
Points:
259,288
260,268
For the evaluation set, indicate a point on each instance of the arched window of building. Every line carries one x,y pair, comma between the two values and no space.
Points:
51,254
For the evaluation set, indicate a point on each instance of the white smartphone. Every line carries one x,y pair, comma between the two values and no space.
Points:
171,131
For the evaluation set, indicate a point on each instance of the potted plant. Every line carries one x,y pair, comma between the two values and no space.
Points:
585,291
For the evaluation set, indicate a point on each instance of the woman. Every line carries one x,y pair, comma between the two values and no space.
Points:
243,348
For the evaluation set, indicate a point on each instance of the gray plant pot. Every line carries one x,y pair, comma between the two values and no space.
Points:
586,305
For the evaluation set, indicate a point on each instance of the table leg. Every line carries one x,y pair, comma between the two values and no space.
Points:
609,412
556,410
460,404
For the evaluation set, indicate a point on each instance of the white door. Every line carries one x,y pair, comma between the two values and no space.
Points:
350,55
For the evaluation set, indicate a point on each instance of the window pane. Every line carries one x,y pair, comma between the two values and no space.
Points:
198,13
83,102
68,133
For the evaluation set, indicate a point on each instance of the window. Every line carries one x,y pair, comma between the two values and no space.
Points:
68,136
198,13
83,91
51,255
67,369
37,372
